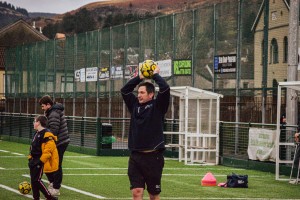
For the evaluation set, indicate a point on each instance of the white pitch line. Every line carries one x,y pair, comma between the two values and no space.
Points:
15,191
18,154
13,169
166,168
13,156
203,198
95,174
5,151
217,198
81,156
120,174
74,189
187,175
125,168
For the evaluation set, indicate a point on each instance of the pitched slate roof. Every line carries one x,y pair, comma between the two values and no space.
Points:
262,6
18,33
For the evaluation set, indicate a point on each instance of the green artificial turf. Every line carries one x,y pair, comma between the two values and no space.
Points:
90,177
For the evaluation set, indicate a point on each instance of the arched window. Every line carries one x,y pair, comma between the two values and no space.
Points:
274,51
274,85
285,49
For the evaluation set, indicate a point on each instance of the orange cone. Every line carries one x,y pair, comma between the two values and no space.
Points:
209,180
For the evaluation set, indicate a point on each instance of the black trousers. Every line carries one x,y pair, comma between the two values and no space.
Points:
57,176
37,184
297,156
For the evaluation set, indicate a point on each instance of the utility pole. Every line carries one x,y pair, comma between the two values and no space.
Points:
291,98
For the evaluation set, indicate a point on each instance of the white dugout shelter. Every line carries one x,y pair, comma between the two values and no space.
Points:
288,143
198,113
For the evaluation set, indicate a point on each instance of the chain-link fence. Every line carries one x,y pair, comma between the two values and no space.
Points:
90,135
58,67
236,142
109,136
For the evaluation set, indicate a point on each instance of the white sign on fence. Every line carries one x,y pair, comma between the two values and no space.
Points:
86,74
261,144
165,67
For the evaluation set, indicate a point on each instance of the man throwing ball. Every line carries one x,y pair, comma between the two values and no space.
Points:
146,139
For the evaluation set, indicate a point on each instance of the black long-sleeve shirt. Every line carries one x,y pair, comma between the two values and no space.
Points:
147,119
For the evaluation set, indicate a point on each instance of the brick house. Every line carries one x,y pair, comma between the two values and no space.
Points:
277,43
17,33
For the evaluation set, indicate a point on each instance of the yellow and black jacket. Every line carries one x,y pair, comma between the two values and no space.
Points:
43,148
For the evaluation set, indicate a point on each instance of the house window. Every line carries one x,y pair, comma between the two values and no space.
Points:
12,83
285,49
274,51
67,83
46,83
275,83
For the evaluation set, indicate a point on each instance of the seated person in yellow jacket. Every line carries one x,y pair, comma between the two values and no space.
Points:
43,157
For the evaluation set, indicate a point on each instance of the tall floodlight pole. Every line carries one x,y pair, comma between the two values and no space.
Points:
238,62
291,98
214,81
265,60
238,76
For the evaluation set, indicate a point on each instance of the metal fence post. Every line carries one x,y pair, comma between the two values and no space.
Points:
221,140
82,130
30,127
20,127
10,124
98,136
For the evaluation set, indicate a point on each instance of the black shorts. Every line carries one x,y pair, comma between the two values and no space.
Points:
146,169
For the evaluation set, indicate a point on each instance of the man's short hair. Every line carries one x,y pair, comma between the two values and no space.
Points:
42,119
46,100
149,86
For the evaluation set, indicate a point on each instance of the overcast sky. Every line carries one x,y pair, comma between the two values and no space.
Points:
49,6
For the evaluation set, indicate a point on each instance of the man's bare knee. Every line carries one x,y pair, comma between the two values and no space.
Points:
137,193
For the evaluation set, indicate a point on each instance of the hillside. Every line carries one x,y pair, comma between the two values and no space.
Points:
164,6
10,13
115,12
8,16
103,14
143,6
104,8
133,6
40,14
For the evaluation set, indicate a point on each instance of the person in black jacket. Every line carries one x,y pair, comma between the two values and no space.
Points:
57,124
146,139
43,157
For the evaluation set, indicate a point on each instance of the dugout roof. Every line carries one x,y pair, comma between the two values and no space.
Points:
193,93
295,85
